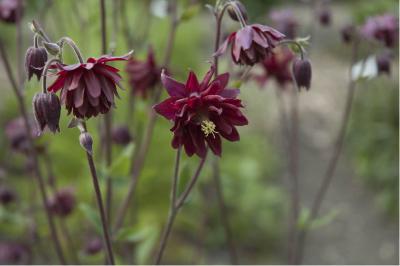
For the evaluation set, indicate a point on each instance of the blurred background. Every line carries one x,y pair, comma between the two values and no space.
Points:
359,218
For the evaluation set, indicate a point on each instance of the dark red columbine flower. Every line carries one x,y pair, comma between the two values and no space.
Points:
277,66
143,75
251,44
88,89
382,28
285,22
63,202
35,60
202,112
8,10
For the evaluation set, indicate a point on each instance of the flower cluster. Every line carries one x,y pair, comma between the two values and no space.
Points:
202,112
88,89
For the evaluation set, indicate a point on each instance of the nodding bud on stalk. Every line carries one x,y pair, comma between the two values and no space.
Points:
86,141
52,48
35,60
302,73
241,8
47,109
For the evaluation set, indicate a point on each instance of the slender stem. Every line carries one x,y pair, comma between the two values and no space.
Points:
33,152
286,42
107,117
176,204
19,41
294,178
337,148
103,216
74,47
138,161
215,169
44,74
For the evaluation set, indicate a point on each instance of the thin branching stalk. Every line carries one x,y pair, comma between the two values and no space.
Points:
215,164
139,160
176,202
337,148
41,183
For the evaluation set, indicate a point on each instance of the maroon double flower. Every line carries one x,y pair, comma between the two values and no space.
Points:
143,75
88,89
202,112
251,44
383,28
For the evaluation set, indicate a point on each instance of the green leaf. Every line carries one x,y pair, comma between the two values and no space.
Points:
121,165
92,215
236,84
303,217
132,234
190,12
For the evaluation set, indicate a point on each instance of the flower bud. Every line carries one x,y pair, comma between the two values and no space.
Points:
86,141
93,246
302,73
121,135
47,109
325,16
347,33
63,202
383,63
35,60
52,48
6,195
241,8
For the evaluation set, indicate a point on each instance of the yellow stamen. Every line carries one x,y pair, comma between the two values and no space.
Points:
208,127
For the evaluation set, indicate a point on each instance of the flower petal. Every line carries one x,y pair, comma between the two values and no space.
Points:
173,87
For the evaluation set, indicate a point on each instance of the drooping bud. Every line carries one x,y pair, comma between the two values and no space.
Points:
52,48
86,141
47,109
93,246
302,73
347,33
63,202
6,195
325,16
121,135
241,9
383,63
35,60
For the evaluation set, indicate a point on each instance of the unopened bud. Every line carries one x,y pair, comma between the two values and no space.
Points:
325,16
35,60
47,110
302,73
121,135
86,141
52,48
241,9
383,63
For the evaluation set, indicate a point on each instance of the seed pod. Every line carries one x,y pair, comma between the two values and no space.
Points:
47,109
241,8
302,73
121,135
86,141
35,60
